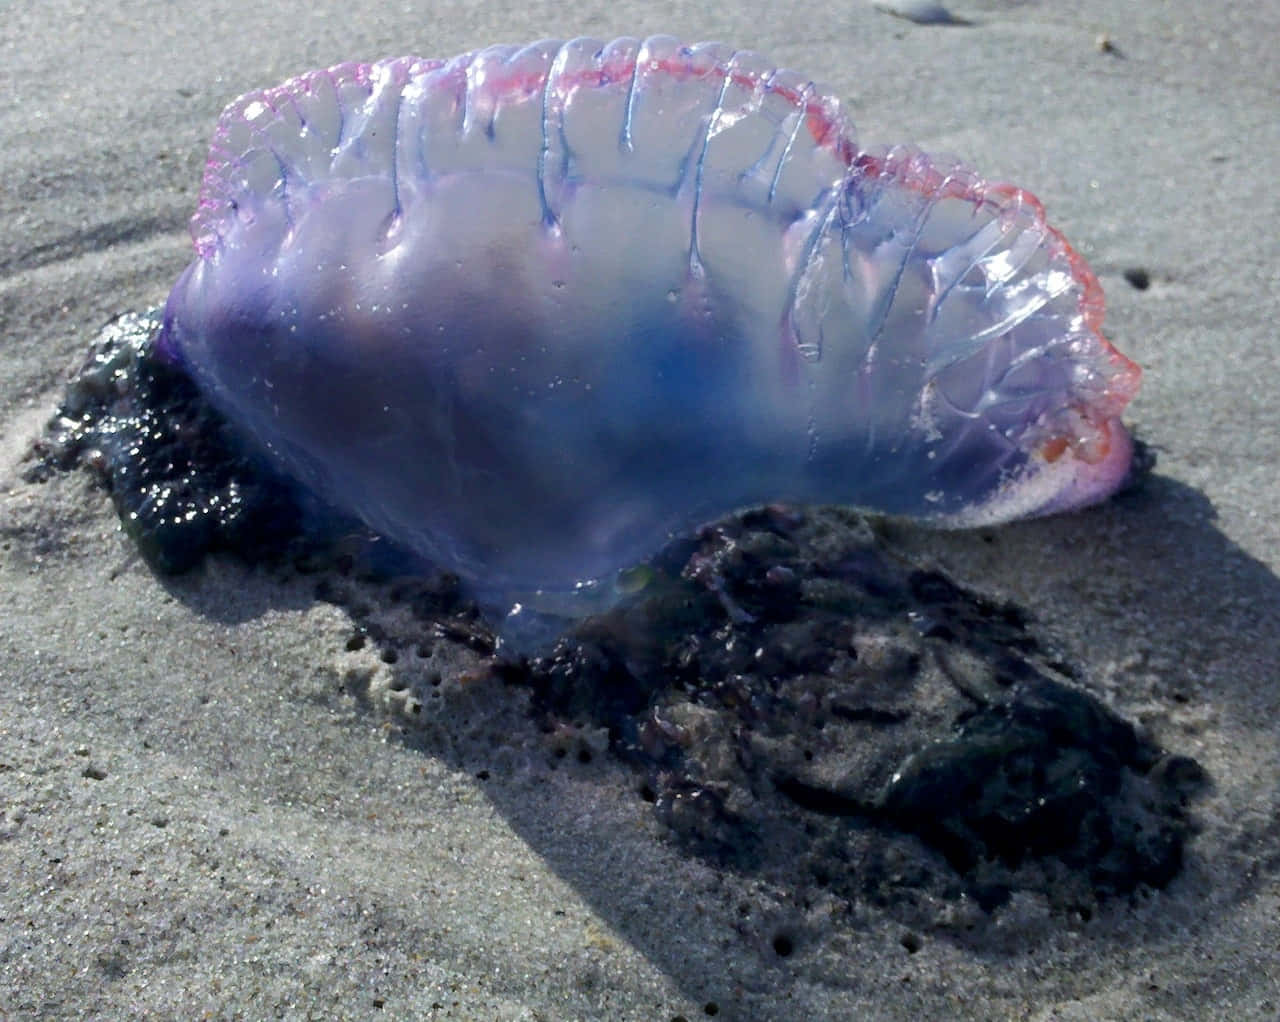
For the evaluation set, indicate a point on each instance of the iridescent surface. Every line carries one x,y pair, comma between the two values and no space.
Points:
533,310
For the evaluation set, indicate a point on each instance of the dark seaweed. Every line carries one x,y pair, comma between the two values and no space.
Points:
184,484
799,691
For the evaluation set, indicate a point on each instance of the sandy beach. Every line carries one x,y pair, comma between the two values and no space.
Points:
223,795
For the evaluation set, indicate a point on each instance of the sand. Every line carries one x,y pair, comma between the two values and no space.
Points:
213,806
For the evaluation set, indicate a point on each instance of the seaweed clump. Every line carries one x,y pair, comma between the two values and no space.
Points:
182,481
799,695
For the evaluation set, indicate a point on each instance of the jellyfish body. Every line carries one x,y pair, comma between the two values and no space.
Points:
531,311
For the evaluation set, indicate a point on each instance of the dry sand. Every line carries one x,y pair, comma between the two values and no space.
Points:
200,819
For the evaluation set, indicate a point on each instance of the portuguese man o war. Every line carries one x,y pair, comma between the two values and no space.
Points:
532,311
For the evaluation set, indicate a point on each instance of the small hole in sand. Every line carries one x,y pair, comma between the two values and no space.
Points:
1138,278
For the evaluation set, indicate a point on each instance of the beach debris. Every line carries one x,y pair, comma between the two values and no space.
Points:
1105,44
922,12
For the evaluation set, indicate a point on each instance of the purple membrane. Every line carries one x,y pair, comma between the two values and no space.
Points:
531,311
